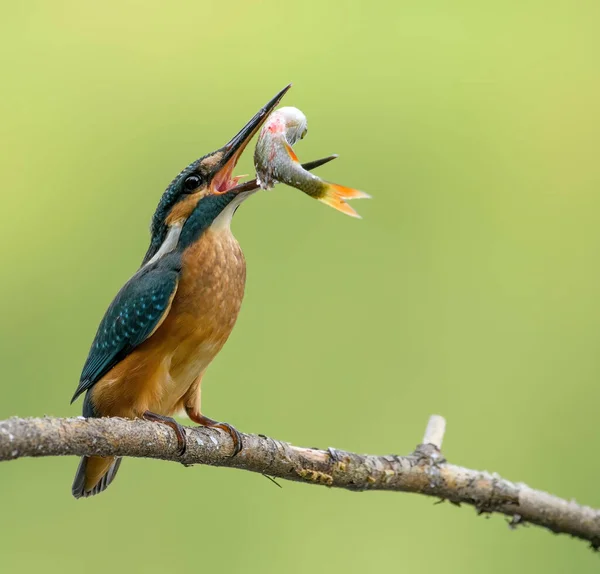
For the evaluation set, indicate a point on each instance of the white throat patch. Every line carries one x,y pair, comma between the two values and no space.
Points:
169,243
223,220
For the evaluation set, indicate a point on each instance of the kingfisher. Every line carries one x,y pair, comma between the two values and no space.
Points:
169,321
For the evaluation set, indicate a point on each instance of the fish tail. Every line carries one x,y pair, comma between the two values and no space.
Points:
336,196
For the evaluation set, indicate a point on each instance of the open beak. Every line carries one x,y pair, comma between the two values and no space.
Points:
223,179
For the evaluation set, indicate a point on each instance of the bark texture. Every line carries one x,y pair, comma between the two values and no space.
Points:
425,471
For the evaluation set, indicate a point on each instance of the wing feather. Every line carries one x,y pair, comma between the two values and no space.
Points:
134,315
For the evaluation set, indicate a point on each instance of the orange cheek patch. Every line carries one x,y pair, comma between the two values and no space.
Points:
183,209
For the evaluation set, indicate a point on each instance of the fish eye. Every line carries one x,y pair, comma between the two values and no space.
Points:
191,182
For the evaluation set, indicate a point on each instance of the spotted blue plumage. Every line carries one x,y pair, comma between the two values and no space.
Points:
131,318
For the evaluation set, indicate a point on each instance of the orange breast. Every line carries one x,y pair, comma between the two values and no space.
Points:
160,371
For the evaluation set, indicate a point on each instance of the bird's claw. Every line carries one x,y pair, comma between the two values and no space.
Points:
236,437
173,424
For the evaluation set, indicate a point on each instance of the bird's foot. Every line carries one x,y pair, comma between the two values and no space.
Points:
172,423
235,435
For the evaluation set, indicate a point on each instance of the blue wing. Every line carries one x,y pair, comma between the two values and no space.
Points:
135,313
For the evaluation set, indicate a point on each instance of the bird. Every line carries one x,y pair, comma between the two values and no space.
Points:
170,320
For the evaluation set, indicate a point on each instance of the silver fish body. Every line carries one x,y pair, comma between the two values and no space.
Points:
276,162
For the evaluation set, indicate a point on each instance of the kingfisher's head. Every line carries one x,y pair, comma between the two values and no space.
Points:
204,191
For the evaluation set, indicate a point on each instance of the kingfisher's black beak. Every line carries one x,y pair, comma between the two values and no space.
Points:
228,156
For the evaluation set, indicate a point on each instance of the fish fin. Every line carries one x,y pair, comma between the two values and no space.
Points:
336,196
291,152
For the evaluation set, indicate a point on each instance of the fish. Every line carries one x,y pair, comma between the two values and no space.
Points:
276,162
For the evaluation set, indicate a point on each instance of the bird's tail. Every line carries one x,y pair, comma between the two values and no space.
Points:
336,196
94,474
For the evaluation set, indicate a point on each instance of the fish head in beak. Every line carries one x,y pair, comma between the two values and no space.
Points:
220,164
209,176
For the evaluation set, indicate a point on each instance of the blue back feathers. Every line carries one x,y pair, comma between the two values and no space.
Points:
131,318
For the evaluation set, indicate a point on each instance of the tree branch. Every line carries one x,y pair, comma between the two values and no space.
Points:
424,472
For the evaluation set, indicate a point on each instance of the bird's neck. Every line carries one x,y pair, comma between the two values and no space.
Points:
206,213
215,216
223,221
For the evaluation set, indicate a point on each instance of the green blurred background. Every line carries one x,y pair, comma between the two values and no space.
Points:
470,288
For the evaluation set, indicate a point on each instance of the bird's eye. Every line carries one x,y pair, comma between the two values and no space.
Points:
191,182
